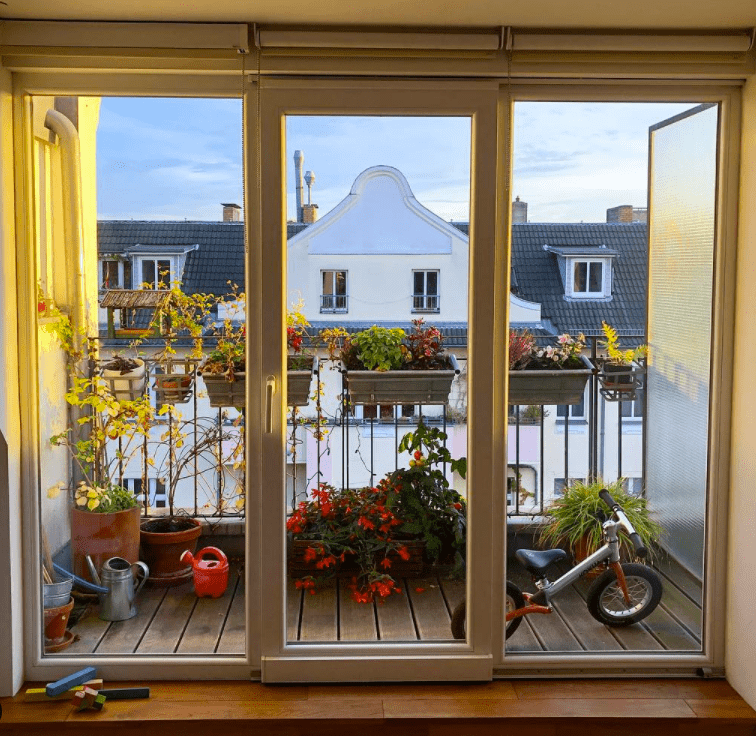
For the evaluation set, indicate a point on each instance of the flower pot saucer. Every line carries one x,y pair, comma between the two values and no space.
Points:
68,639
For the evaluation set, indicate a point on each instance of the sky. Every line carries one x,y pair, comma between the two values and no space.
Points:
179,159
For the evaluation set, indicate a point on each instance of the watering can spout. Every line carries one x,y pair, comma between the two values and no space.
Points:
187,558
93,571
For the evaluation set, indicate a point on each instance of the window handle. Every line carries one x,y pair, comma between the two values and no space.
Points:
270,389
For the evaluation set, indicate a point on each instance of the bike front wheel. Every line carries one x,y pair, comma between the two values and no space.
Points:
514,600
607,604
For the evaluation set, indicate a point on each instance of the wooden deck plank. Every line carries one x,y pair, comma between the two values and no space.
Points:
454,591
395,617
202,633
685,581
672,636
319,615
90,631
293,610
356,620
123,637
523,640
164,634
592,635
431,617
234,637
550,629
680,607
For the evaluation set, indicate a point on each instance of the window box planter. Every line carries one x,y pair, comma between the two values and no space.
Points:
549,387
620,382
298,382
173,388
402,387
413,567
126,386
222,392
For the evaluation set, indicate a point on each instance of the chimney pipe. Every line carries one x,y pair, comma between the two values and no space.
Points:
298,161
231,212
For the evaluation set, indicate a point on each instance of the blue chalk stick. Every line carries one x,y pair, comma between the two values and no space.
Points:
66,683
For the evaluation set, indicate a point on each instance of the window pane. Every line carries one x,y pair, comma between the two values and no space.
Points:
419,282
328,282
432,282
596,282
341,282
164,274
580,276
148,274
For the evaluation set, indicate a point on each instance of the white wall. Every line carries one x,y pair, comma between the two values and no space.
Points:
740,655
11,632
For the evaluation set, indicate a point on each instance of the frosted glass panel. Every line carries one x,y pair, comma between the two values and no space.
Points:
681,249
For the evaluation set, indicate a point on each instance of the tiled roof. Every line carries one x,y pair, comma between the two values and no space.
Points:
220,259
538,276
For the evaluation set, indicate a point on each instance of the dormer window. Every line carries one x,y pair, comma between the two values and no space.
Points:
588,278
586,270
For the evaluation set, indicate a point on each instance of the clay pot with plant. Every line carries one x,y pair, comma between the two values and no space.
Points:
574,520
104,515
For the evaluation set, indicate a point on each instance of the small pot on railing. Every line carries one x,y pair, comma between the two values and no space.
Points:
620,382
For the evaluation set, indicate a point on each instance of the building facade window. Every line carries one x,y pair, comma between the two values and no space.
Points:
425,297
576,411
156,273
110,277
334,295
633,409
588,279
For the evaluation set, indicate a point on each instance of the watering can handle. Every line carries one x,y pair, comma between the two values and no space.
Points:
146,571
219,555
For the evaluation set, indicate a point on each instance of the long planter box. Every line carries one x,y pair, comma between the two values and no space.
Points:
399,568
298,385
222,392
549,387
401,387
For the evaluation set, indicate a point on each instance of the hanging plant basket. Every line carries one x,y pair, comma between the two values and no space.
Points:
222,392
127,386
620,382
402,387
298,380
173,388
549,387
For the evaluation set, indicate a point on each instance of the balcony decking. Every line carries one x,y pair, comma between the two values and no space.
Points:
174,620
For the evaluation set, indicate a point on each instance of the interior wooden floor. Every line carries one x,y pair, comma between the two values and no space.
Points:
174,620
537,707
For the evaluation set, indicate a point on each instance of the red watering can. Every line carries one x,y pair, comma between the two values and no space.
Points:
210,575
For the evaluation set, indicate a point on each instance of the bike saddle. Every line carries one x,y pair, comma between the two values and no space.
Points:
536,561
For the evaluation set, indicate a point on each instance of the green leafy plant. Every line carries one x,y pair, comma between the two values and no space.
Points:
379,348
230,354
431,509
573,518
104,499
615,355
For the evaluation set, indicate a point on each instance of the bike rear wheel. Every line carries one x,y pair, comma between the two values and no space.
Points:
513,601
607,604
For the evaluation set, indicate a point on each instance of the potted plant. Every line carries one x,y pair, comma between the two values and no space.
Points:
300,363
180,316
105,515
573,519
352,533
621,373
125,377
165,538
431,509
387,366
551,375
224,368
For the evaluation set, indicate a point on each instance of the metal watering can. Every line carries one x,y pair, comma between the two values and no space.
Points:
118,603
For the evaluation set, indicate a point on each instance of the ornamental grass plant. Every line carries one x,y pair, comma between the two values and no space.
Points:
574,518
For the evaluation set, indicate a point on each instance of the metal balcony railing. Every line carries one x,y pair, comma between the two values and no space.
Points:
333,303
426,302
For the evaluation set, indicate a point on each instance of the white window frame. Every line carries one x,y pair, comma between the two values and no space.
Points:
429,307
606,278
138,267
28,79
335,309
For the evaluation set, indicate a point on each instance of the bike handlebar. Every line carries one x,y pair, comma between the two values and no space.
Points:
606,497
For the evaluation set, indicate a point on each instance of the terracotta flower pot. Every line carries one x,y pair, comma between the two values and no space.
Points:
56,620
103,536
163,542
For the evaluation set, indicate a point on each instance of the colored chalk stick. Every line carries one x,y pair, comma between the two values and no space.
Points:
39,694
66,683
99,701
126,693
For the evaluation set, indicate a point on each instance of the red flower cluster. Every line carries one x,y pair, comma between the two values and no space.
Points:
378,589
356,524
294,339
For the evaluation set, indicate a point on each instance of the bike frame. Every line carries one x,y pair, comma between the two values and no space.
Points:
610,551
